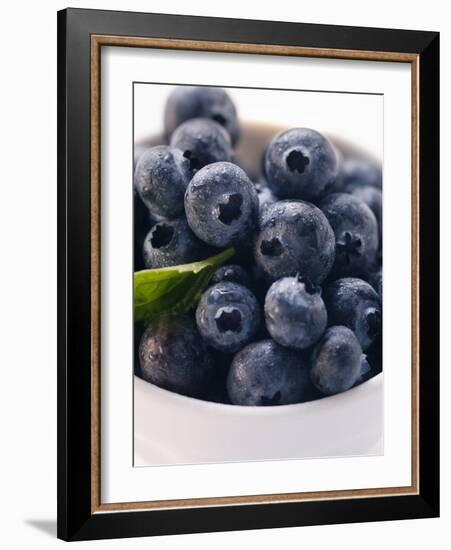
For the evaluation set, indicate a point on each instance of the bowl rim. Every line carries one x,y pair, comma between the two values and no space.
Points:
193,402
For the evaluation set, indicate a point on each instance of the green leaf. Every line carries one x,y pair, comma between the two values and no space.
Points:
176,289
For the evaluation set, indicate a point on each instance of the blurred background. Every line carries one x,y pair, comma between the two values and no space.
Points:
354,117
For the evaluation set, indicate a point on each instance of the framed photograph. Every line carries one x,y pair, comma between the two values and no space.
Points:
248,274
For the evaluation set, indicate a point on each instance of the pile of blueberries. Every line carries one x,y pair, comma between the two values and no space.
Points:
297,314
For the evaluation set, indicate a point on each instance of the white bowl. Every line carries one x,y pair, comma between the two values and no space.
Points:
174,429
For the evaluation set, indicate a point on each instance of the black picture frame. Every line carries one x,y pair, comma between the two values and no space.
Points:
76,519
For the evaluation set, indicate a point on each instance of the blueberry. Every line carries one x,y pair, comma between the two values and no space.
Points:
172,242
337,361
295,237
374,357
142,224
161,177
138,331
264,373
265,197
356,233
202,141
295,313
232,273
221,205
375,280
154,218
228,316
359,172
372,197
187,102
300,164
173,356
354,303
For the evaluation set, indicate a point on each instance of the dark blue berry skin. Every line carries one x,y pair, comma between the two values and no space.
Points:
228,316
265,197
233,273
161,177
295,313
300,164
142,224
337,361
202,141
355,304
376,282
138,331
172,242
295,238
173,356
356,233
372,197
221,205
154,218
358,172
265,373
187,102
374,357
